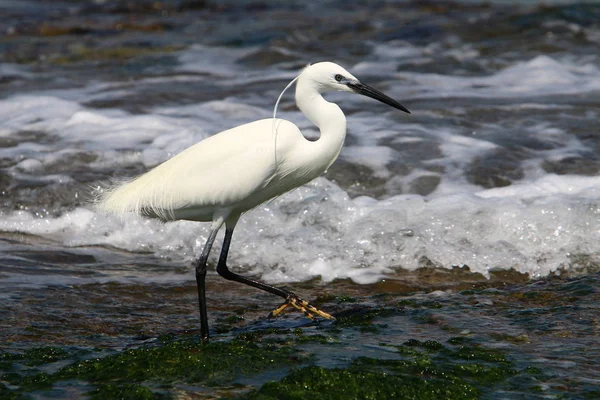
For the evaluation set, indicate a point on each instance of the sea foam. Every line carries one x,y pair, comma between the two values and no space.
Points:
318,231
536,225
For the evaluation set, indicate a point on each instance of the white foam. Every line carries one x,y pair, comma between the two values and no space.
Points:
535,225
374,157
75,128
318,231
14,70
34,113
540,76
218,115
211,60
29,165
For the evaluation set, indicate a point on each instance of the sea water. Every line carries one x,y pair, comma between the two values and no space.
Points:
496,169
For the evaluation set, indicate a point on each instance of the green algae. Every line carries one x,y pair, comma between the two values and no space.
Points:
361,315
421,370
7,394
33,357
29,379
428,344
286,337
44,355
300,338
345,299
459,368
125,392
232,319
431,358
225,325
459,340
134,373
480,353
319,383
361,318
7,359
30,382
190,362
413,303
424,370
594,394
482,374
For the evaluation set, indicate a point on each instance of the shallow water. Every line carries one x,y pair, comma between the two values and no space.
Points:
484,199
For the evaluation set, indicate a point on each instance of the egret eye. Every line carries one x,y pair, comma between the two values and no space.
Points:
338,77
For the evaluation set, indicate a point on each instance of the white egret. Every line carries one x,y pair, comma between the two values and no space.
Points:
225,175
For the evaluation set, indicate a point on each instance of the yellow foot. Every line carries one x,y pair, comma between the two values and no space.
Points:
302,306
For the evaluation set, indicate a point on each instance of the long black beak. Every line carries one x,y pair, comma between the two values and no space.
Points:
368,91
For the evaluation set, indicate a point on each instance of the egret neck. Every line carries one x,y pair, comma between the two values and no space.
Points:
328,117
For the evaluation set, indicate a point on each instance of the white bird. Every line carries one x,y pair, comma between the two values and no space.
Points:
229,173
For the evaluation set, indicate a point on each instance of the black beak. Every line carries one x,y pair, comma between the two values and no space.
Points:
368,91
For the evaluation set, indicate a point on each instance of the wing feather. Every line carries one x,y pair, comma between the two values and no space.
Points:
221,171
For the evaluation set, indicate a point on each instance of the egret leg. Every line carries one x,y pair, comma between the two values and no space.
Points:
200,283
291,299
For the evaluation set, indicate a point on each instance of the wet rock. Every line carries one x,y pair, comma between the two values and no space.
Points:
192,5
424,184
57,30
84,54
266,58
416,151
60,257
355,179
573,165
498,169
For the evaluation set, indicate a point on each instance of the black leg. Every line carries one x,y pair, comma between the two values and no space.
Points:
200,282
290,298
227,274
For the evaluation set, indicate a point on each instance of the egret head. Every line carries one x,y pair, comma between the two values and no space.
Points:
328,76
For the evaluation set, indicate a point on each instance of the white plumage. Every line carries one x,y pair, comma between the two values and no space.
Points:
231,172
235,170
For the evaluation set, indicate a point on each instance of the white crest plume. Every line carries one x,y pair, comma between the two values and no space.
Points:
275,113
